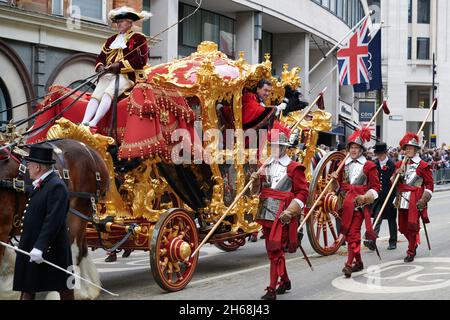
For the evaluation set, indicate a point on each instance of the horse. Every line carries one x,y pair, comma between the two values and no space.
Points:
84,171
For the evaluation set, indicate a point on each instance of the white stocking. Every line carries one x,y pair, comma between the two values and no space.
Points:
103,108
90,110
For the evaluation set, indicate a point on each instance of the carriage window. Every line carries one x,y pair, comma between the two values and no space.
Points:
4,104
89,86
93,10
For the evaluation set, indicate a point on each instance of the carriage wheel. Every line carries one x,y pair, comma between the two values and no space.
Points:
321,226
174,238
230,245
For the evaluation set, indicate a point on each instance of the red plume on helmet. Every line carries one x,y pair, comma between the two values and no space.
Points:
360,136
277,130
410,139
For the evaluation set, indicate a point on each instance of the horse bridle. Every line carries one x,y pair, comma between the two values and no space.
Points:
17,183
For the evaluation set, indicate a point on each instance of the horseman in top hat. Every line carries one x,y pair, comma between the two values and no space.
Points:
124,54
414,192
358,187
386,168
45,233
283,192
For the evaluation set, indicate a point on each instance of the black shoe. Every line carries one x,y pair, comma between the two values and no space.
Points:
392,246
409,258
112,257
283,287
357,267
369,244
347,272
254,237
126,253
270,294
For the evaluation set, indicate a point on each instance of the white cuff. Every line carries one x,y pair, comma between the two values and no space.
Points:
429,191
375,194
300,203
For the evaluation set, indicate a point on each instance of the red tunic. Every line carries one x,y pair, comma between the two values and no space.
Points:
254,115
424,171
131,64
351,192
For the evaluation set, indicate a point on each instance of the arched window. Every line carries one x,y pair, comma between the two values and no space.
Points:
5,103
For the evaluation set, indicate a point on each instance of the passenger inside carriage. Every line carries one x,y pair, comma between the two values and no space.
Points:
125,54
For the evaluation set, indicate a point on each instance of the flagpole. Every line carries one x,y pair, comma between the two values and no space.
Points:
371,12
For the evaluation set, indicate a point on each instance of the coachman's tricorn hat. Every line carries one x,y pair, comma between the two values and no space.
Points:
128,13
40,154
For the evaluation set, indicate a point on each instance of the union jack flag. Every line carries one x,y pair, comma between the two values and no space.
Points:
352,58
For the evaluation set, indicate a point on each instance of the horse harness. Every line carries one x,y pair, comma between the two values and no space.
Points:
19,184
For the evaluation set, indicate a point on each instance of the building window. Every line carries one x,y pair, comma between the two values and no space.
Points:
5,103
423,11
92,10
206,26
265,45
350,11
146,23
423,48
409,47
58,7
409,11
419,97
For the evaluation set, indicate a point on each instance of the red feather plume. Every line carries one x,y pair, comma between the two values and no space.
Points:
277,129
364,133
408,137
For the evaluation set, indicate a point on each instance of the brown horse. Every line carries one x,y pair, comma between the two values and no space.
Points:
82,163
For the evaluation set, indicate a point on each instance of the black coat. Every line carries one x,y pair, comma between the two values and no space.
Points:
385,181
44,228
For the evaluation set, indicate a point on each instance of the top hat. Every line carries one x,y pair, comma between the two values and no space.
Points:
380,147
128,13
40,154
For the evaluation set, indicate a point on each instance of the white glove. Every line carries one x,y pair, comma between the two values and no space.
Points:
36,256
280,108
219,106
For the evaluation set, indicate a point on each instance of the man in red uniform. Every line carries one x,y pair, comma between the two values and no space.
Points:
118,56
283,193
255,114
358,186
415,190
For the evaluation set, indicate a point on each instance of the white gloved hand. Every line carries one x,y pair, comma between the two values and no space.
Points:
280,108
219,106
36,256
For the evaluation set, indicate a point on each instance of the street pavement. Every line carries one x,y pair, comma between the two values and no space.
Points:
244,273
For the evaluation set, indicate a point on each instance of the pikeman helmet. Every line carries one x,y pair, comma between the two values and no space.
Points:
361,137
410,139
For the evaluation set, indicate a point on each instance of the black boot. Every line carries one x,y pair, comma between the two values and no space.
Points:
283,287
347,272
270,294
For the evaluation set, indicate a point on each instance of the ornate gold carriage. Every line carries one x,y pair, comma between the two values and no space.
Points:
168,208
